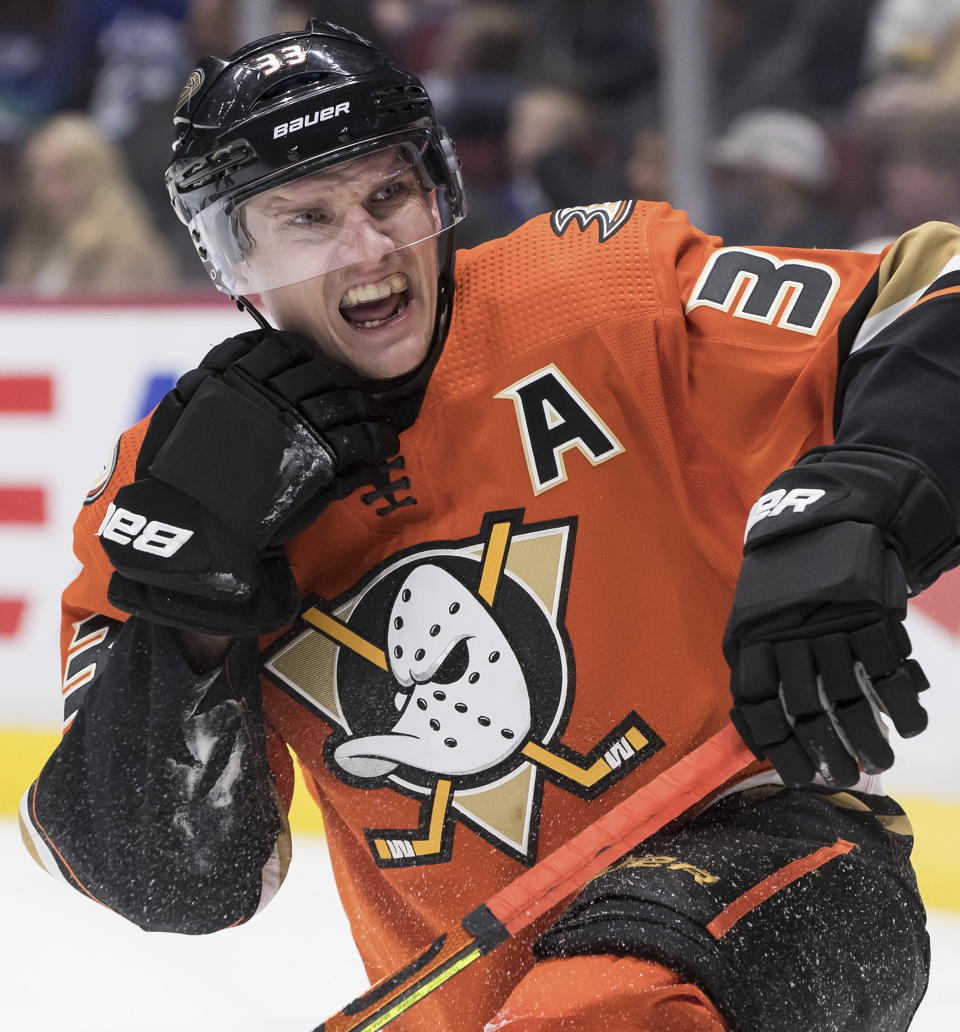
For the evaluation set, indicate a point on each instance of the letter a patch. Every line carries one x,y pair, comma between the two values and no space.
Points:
553,418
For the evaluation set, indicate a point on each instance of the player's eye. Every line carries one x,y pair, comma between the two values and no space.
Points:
310,218
390,195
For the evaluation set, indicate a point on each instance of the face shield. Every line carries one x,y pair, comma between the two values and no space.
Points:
346,213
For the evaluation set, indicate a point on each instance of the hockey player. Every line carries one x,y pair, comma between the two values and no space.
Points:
471,544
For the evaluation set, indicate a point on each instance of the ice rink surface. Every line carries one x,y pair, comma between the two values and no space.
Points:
68,964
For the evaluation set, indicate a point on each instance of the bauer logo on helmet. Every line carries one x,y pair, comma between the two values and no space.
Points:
305,121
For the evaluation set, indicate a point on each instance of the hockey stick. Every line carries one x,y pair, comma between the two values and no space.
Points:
691,779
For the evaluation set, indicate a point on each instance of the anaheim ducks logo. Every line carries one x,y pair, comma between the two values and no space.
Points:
447,675
609,217
193,83
103,478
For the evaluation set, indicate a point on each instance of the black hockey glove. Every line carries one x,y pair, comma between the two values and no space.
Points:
815,640
244,453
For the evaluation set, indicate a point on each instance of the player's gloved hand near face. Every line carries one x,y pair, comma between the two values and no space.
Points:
815,640
243,454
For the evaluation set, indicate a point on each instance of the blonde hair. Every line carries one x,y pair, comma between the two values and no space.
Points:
105,242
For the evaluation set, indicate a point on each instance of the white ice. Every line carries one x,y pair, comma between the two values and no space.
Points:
67,963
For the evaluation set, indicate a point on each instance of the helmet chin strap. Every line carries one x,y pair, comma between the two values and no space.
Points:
246,305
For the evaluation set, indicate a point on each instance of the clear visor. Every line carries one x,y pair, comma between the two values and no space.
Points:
353,212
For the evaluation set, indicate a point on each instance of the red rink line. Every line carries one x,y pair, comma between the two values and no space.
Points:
22,505
202,297
11,616
26,394
941,601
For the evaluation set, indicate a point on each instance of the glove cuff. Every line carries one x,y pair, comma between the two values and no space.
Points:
826,578
272,607
892,492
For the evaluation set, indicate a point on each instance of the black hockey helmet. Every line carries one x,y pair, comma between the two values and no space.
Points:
291,105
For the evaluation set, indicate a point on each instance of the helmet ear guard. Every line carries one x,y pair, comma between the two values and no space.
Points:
451,171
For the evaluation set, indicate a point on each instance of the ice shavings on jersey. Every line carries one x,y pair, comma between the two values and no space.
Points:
207,776
302,459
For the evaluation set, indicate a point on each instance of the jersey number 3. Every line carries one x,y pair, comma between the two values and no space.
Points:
759,287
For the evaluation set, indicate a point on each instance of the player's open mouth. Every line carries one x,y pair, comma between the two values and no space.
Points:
373,305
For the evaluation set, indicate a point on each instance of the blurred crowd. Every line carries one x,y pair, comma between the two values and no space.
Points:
833,124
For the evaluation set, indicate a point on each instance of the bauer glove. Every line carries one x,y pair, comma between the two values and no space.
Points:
815,640
243,454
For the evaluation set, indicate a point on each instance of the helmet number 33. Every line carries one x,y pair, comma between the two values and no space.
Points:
274,60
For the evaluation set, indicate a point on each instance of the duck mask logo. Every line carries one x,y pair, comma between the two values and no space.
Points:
447,675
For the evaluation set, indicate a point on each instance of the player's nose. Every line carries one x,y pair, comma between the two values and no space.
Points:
367,239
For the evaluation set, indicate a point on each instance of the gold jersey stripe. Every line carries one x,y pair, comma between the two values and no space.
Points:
914,262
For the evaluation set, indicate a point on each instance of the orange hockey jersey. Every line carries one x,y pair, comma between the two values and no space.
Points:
477,676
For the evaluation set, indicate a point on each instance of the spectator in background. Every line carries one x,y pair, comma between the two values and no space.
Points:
10,147
474,77
290,15
915,75
207,28
555,156
476,69
645,166
36,77
142,58
907,119
801,54
409,27
775,169
80,227
917,169
56,54
606,50
904,34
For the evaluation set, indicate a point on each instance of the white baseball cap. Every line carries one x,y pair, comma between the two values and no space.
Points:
776,140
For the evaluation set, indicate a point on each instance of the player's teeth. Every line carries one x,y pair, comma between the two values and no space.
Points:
373,323
393,284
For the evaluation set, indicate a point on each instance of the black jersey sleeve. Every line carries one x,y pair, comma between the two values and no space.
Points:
159,801
899,381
